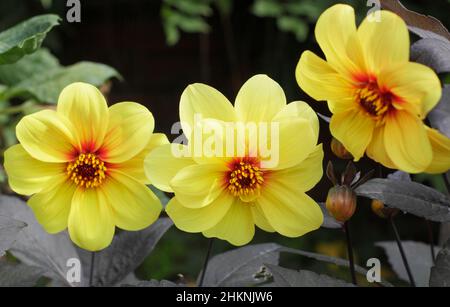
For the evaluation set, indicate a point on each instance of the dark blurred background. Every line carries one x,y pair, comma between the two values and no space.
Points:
160,47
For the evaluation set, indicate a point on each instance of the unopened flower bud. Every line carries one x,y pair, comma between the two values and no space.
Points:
341,202
339,150
381,210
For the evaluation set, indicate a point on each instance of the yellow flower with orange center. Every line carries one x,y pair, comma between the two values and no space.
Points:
83,166
378,98
225,182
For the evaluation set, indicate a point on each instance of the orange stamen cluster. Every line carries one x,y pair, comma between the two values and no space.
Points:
244,178
87,170
374,101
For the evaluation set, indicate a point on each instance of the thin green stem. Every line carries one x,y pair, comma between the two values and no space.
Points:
350,253
402,252
430,238
205,263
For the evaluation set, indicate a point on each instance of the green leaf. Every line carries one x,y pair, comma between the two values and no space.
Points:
192,7
46,86
25,38
267,8
40,61
440,272
294,25
411,197
419,259
290,278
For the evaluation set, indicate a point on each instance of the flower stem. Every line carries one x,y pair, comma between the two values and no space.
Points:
430,239
205,263
350,253
91,274
402,252
446,182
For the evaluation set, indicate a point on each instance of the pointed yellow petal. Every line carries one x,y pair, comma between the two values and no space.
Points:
134,205
84,105
385,42
377,148
198,185
163,163
407,143
203,101
51,206
290,212
129,131
319,80
306,174
440,145
354,130
198,220
334,31
27,175
91,222
260,219
416,85
236,227
295,141
47,136
135,166
259,100
299,109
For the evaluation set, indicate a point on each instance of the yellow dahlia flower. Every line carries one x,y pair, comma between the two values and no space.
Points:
233,184
83,166
378,98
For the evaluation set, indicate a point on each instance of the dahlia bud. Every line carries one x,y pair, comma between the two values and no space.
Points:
383,211
339,150
341,202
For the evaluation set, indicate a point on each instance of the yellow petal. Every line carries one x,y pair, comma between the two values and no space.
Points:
91,222
319,80
354,130
134,205
163,163
236,227
415,84
407,143
440,145
27,175
259,100
377,148
299,109
290,212
260,219
334,31
135,166
129,131
84,105
198,220
295,141
47,136
51,206
385,42
306,174
198,185
203,101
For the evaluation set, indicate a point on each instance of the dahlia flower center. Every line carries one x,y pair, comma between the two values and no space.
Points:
245,177
375,101
87,170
